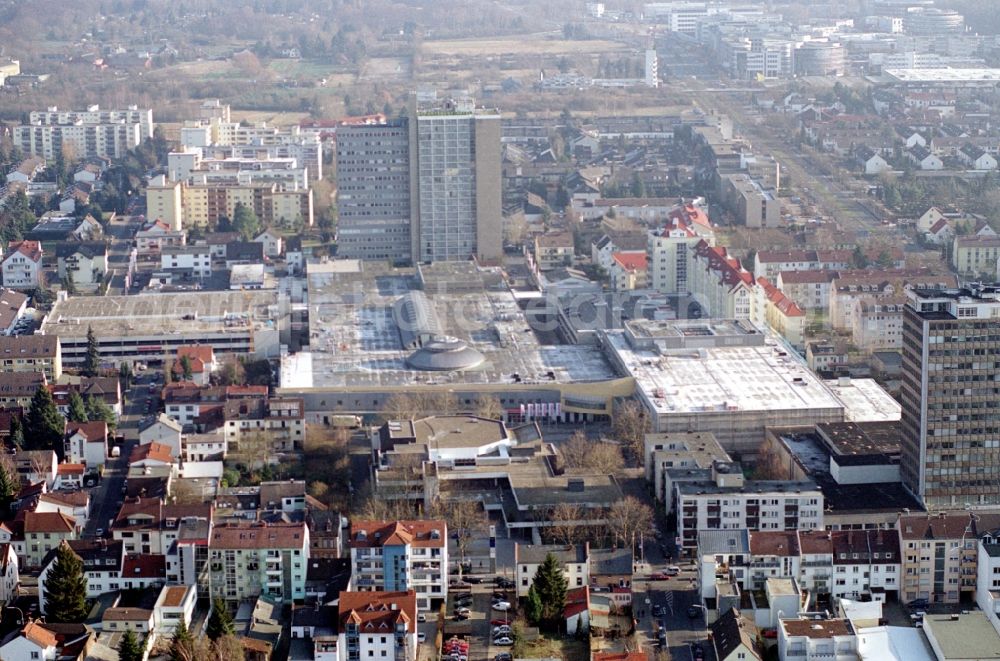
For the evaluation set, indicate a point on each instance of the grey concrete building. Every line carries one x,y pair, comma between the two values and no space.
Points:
373,191
455,182
950,451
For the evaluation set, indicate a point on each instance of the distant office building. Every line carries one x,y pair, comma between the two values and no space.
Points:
950,453
373,191
454,182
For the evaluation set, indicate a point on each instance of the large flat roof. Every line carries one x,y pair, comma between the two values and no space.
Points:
966,636
721,378
188,313
355,340
919,75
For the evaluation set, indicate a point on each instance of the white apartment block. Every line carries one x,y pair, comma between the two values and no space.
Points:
374,625
399,556
726,501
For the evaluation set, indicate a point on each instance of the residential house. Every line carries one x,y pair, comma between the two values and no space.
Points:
295,260
808,638
866,564
174,605
86,443
976,256
816,561
44,531
586,612
26,170
977,158
13,306
69,476
201,362
162,429
185,263
74,504
940,554
720,284
155,236
247,561
244,252
142,571
772,307
871,162
10,578
573,558
606,245
102,566
47,642
148,526
553,250
940,233
325,535
105,388
86,263
924,158
810,289
22,265
773,554
272,242
628,271
17,388
34,466
401,555
32,353
734,638
877,323
151,454
612,569
928,219
376,625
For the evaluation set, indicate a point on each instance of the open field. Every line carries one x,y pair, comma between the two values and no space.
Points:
522,45
273,118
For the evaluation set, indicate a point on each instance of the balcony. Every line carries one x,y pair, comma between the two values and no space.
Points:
272,583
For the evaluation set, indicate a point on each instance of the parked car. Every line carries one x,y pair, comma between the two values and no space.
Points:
500,622
694,611
659,576
502,582
421,617
501,605
421,637
459,617
459,584
504,641
918,603
503,628
697,653
503,656
462,610
474,580
673,570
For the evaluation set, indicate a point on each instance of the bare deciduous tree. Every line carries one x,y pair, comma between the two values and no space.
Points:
589,454
565,517
630,424
487,406
628,518
466,521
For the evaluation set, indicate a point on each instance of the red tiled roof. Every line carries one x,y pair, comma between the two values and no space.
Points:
56,522
94,432
153,451
375,612
144,565
257,536
39,635
787,306
577,601
415,533
730,271
691,215
30,249
70,469
630,261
